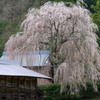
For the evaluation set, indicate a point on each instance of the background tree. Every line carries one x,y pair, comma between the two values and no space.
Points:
89,3
13,12
73,1
3,25
68,32
96,17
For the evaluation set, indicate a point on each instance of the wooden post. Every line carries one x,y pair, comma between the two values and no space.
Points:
0,95
31,96
19,95
13,95
36,89
19,86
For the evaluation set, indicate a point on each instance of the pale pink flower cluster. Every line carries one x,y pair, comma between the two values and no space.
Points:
68,32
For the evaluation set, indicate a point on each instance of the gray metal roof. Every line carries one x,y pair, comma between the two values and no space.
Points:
16,70
31,58
8,62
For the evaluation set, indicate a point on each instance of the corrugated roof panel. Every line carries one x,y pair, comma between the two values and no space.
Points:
8,62
32,58
16,70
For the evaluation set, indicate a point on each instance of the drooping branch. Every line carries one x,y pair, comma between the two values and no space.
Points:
68,32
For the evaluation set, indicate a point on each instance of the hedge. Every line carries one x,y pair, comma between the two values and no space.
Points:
53,92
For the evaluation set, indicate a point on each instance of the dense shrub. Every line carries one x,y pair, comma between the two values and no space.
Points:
88,92
53,92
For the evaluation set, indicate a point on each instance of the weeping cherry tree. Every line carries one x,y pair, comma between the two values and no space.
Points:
69,34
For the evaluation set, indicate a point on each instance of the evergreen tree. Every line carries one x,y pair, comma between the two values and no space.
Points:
96,18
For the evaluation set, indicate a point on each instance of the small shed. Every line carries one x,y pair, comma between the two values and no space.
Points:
35,60
18,83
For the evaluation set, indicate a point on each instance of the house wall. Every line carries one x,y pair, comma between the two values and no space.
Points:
45,70
18,88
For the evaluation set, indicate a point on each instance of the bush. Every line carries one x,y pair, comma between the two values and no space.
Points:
88,92
53,92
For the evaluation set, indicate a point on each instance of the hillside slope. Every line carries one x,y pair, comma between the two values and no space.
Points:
12,13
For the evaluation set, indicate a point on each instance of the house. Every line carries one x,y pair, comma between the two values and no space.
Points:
35,60
18,83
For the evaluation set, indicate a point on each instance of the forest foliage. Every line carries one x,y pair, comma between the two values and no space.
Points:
96,18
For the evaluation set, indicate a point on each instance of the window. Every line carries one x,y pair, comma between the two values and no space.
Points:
22,96
28,96
9,96
3,96
3,80
15,81
33,83
9,81
16,95
27,80
22,82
